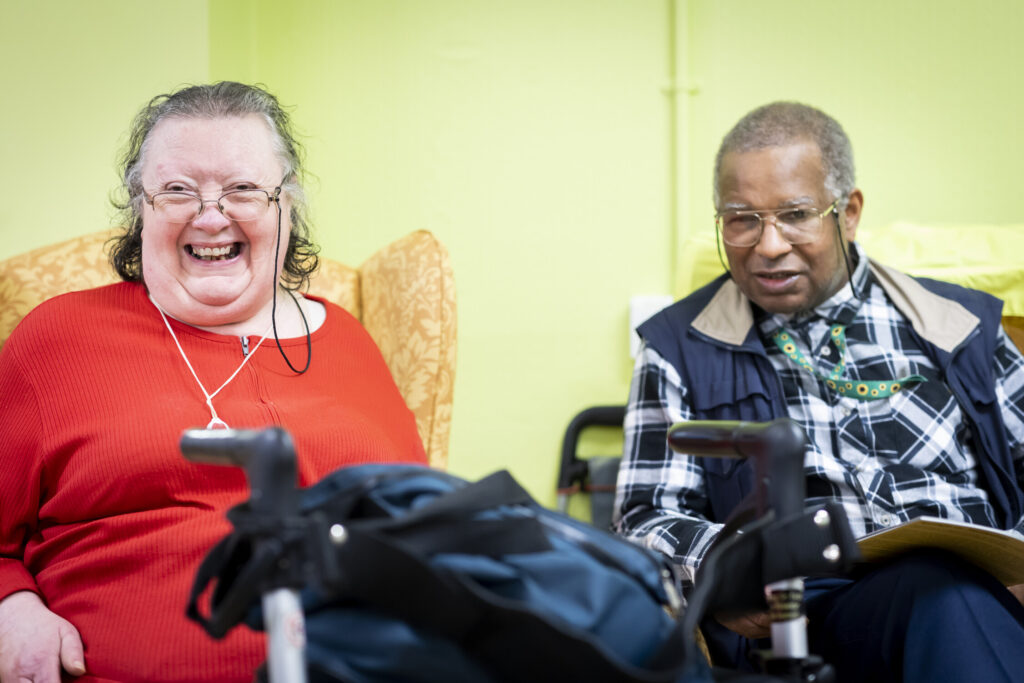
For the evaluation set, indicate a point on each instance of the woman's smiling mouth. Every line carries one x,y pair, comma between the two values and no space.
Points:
220,253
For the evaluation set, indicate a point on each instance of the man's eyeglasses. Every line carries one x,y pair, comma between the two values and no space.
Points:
796,225
237,205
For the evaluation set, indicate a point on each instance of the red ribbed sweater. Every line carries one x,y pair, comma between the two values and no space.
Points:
100,513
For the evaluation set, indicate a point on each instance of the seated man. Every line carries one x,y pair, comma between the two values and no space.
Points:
909,391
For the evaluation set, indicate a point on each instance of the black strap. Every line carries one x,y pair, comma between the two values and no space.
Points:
446,524
493,490
232,596
247,563
486,537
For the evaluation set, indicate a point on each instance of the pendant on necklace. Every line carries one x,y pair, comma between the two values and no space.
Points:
215,421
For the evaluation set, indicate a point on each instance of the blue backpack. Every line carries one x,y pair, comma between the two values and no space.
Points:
438,579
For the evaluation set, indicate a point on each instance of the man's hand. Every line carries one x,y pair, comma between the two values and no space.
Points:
35,643
754,625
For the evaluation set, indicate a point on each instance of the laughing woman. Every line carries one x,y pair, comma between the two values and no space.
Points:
102,522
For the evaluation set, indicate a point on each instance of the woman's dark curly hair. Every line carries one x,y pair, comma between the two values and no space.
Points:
219,100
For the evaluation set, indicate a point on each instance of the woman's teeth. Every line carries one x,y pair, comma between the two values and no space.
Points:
214,253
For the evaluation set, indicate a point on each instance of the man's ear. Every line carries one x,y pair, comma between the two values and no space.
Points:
851,214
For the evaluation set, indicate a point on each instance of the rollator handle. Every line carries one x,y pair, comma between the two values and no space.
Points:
777,449
736,439
267,455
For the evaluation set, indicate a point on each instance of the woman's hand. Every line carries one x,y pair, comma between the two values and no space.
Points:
1018,592
35,643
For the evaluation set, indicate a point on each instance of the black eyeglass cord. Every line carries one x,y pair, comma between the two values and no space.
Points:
846,255
718,248
273,308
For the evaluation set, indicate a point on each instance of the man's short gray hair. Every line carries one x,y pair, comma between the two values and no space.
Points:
785,123
217,100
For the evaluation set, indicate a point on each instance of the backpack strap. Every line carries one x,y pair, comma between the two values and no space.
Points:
229,605
447,523
354,501
246,564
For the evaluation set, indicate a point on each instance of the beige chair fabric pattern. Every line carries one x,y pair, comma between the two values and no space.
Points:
404,295
408,307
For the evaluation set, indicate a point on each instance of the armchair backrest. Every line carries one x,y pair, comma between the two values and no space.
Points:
404,295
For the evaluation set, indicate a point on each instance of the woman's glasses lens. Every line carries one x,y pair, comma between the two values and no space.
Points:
238,205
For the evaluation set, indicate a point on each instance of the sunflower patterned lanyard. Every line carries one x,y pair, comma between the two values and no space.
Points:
861,390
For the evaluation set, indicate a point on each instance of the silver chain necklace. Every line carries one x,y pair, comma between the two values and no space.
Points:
215,420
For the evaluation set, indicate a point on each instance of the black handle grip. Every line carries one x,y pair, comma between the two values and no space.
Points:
734,439
222,446
267,455
777,449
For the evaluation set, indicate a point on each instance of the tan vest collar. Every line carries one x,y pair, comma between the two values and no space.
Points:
939,321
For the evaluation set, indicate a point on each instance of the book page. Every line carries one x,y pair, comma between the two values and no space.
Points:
1000,553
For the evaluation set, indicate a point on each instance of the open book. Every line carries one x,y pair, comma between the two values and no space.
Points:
1000,553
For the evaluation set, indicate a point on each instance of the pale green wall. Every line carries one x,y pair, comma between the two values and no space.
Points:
539,140
73,75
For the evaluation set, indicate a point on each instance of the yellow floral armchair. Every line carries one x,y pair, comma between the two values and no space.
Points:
404,295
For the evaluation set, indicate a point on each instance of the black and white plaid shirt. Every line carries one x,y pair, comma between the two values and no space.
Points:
886,460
